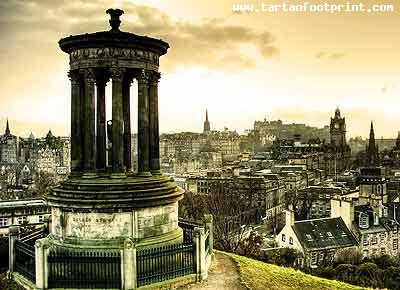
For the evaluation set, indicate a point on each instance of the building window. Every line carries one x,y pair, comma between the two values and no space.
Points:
395,244
41,219
283,238
291,240
363,221
382,237
330,256
395,229
365,240
374,240
3,222
321,257
383,251
314,258
21,220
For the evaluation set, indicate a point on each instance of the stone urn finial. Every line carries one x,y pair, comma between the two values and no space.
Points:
114,21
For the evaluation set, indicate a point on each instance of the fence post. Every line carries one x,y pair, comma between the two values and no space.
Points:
199,240
41,264
13,232
129,269
208,220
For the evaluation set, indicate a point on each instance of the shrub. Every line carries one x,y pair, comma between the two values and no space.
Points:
346,273
369,275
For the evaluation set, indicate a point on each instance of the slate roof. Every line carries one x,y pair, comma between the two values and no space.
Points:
324,233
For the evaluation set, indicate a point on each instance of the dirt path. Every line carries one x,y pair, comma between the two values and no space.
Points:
223,275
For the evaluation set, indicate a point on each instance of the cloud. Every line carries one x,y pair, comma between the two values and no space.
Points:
210,43
329,55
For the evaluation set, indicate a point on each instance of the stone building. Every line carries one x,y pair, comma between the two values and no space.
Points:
32,212
337,153
319,240
372,215
50,154
190,152
8,147
315,201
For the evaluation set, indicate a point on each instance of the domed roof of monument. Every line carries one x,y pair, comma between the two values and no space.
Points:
113,38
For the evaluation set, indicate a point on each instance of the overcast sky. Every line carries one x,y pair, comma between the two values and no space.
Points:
294,66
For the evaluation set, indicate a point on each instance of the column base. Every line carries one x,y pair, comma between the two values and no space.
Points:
144,174
120,175
75,174
89,175
130,173
156,172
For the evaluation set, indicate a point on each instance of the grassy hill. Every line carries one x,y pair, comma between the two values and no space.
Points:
258,275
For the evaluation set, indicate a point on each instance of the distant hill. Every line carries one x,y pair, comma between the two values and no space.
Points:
257,275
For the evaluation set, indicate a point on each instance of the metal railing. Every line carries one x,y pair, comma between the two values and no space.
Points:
188,228
164,263
31,237
25,260
80,269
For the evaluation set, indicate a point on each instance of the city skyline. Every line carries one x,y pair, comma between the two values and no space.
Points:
244,66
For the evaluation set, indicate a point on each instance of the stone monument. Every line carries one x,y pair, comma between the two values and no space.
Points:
103,202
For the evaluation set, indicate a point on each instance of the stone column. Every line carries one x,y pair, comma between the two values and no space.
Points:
199,241
13,233
154,128
41,264
89,125
208,220
127,124
129,269
117,75
101,123
76,122
143,126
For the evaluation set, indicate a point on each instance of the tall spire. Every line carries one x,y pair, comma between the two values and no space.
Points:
206,127
372,133
372,149
8,132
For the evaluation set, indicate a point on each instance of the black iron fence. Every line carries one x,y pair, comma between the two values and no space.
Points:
80,269
25,260
188,228
159,264
31,237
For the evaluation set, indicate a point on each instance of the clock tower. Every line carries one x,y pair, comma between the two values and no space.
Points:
338,130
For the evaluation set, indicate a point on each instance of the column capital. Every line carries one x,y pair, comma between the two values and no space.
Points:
143,76
117,74
101,81
154,78
89,75
74,76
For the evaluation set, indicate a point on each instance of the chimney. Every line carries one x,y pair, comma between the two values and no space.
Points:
289,220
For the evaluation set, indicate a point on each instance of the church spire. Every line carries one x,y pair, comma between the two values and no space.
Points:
206,127
372,133
372,149
8,132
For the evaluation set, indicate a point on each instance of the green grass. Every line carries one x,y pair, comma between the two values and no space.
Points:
259,276
6,284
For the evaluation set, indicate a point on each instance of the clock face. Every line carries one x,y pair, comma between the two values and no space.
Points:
336,126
